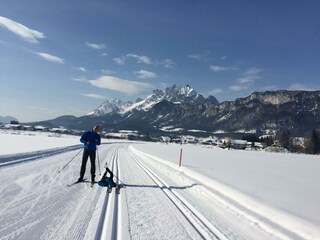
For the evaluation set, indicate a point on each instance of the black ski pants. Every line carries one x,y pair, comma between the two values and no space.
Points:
92,155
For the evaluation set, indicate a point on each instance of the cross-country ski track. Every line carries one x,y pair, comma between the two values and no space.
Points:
158,201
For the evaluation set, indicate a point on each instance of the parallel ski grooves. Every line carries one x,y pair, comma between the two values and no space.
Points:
197,220
108,222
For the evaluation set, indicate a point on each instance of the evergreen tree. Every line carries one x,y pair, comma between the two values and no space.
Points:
284,139
312,142
268,140
251,138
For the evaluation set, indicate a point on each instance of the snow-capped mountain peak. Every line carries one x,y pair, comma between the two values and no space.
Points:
176,94
111,105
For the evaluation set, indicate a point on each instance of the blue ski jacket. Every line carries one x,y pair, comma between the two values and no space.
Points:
90,139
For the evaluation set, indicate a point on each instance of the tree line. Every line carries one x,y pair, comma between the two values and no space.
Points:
310,144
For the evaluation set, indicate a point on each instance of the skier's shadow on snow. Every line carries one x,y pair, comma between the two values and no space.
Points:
161,187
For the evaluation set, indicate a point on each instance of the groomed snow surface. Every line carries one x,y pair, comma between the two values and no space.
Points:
216,194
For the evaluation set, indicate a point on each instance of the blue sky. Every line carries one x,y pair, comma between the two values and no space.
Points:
67,57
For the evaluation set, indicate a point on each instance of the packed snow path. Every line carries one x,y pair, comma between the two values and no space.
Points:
158,202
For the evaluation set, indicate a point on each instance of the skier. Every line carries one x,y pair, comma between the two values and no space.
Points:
90,139
107,181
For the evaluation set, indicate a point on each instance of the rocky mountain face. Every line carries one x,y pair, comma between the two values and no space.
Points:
182,95
181,110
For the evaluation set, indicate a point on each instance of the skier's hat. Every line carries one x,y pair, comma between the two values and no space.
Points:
96,128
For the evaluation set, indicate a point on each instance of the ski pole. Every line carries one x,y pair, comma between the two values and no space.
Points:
98,161
70,161
119,179
106,165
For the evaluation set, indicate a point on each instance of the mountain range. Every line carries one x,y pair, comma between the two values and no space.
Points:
7,119
181,110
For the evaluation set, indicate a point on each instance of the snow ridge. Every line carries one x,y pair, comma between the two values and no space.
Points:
175,94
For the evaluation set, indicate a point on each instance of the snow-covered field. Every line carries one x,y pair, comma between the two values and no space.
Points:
216,194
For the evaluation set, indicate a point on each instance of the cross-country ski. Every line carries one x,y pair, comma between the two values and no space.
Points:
76,182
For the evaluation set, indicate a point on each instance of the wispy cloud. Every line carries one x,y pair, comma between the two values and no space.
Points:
22,31
120,85
80,79
167,63
194,56
270,88
107,72
247,79
215,91
50,58
96,46
145,74
140,59
199,56
250,76
92,95
216,68
238,88
301,87
82,69
120,60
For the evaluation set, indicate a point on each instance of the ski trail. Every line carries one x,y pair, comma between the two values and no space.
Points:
237,215
38,205
150,213
110,219
198,221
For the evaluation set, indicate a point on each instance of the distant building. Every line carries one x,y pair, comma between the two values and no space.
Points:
14,126
238,144
40,128
164,139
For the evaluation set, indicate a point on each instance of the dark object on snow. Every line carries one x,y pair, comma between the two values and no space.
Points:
108,181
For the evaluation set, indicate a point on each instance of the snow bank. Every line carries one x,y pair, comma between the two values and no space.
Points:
288,182
21,142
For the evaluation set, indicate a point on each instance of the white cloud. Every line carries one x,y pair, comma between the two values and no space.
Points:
270,88
145,74
168,63
120,85
250,76
238,88
247,79
80,79
199,56
22,31
216,68
119,61
215,91
108,72
301,87
92,95
96,46
50,58
82,69
140,59
195,56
